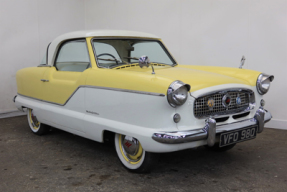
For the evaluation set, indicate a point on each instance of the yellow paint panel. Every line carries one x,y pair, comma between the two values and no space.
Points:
29,81
61,84
199,77
249,76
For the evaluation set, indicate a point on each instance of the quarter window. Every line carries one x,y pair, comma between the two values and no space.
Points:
73,56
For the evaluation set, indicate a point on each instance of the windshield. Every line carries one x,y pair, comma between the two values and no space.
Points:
114,52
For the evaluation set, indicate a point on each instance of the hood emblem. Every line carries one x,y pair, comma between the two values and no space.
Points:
210,103
238,100
145,62
226,100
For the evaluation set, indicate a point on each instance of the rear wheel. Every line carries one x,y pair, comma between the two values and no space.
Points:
35,126
220,149
132,155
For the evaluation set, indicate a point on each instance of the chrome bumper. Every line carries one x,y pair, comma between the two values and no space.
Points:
209,131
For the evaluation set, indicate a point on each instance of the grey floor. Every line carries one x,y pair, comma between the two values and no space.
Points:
61,161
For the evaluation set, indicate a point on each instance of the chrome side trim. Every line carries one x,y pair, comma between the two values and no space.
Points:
124,90
210,130
97,87
39,99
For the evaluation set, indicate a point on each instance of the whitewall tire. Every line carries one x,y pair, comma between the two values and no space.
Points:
35,126
131,154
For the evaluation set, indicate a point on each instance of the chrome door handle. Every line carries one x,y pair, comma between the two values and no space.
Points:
45,80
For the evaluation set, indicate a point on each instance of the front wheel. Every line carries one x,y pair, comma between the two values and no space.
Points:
35,126
132,155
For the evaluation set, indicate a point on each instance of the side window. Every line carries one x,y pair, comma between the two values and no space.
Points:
73,56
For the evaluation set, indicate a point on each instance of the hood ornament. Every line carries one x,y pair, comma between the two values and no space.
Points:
242,62
145,62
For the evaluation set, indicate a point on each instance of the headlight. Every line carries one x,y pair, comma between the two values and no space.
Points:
177,93
263,83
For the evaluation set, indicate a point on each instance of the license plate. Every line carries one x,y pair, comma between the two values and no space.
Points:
237,136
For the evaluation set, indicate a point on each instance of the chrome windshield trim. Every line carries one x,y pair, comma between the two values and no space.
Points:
98,87
142,38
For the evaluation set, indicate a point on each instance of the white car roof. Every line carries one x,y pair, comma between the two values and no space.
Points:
93,33
105,33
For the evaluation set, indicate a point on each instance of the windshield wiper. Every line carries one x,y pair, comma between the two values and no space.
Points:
117,61
135,58
109,59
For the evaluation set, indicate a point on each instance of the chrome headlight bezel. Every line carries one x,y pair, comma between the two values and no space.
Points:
263,83
177,93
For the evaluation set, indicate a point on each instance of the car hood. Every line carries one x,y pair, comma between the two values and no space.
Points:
199,77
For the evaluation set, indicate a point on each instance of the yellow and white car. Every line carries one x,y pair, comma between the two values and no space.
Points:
123,83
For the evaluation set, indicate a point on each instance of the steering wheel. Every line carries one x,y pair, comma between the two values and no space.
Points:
108,54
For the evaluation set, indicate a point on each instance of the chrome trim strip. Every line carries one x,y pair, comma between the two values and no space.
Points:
98,87
125,90
203,133
40,99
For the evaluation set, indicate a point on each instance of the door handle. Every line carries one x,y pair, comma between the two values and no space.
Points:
45,80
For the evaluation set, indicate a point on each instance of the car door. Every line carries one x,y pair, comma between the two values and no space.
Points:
62,85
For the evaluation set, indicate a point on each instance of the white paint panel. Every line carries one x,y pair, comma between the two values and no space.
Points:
131,108
73,119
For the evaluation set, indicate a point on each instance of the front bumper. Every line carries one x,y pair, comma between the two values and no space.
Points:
209,131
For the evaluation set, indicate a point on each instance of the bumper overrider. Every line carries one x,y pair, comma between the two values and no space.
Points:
209,131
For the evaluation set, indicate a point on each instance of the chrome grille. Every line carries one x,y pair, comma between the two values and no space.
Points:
201,108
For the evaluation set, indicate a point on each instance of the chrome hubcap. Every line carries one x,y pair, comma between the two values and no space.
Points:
130,145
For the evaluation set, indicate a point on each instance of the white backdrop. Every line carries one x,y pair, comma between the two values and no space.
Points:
198,32
26,28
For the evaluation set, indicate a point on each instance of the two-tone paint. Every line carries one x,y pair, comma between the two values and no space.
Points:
127,100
